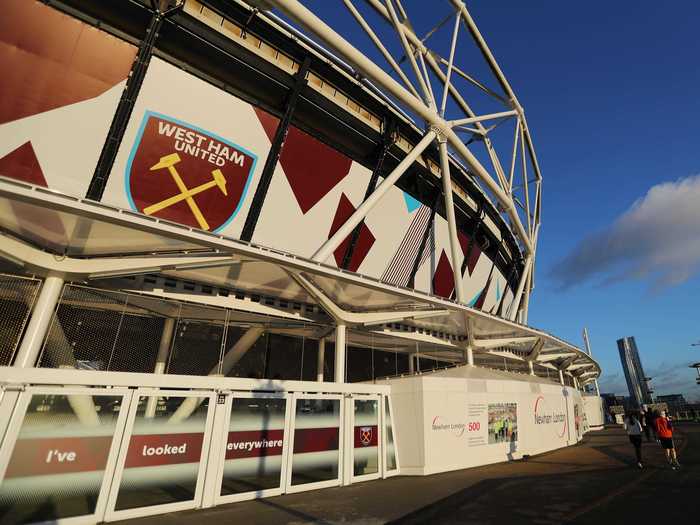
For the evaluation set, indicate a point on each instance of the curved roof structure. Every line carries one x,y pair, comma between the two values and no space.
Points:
391,88
97,242
434,90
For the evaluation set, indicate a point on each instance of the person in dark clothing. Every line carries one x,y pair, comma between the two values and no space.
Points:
649,425
653,414
634,431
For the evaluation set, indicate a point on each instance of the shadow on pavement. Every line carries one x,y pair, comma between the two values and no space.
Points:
591,483
616,492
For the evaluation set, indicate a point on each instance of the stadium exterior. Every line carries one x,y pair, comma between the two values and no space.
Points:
241,260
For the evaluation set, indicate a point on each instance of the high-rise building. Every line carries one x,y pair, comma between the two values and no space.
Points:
637,382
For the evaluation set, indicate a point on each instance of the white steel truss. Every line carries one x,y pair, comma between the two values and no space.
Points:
430,87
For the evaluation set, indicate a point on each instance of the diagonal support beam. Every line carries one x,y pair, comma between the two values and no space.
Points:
567,363
339,236
422,81
300,14
384,147
450,64
515,305
378,43
536,349
458,145
360,319
273,154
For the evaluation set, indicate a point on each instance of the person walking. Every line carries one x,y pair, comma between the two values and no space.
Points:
643,421
649,424
664,431
634,432
651,416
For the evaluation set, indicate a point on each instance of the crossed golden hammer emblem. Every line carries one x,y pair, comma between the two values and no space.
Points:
186,194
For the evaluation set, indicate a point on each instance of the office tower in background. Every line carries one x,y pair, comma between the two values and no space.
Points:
637,384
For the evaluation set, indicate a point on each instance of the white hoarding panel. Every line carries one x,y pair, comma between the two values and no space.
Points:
465,424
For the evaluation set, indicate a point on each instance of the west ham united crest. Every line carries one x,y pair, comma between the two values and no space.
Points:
185,174
366,435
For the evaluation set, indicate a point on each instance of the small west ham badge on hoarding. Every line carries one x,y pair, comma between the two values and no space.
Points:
182,173
365,435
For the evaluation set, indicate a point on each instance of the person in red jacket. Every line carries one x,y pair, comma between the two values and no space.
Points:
664,430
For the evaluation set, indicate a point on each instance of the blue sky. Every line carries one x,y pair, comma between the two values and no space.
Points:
611,93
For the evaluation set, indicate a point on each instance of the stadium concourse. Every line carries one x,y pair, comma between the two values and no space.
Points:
240,259
595,482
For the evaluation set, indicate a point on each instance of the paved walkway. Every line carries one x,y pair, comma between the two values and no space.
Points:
594,482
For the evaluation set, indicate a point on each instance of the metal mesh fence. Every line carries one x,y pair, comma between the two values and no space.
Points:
198,343
111,330
103,330
116,331
254,361
17,296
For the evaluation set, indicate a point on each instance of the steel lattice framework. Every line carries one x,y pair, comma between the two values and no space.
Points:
429,88
434,89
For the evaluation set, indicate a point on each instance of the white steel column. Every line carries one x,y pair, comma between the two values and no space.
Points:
166,340
470,356
561,377
340,350
451,222
526,296
36,332
320,359
363,209
38,326
587,344
531,366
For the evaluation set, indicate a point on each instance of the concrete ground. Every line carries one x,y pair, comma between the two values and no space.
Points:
594,482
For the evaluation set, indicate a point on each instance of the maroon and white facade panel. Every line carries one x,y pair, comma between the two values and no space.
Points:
53,133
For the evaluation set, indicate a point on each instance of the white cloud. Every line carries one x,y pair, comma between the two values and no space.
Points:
656,239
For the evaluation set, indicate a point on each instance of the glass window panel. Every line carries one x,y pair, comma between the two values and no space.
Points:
359,364
384,364
162,462
253,458
87,236
58,462
389,429
316,437
366,437
284,357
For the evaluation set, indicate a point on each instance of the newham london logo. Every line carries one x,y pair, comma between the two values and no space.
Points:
182,173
